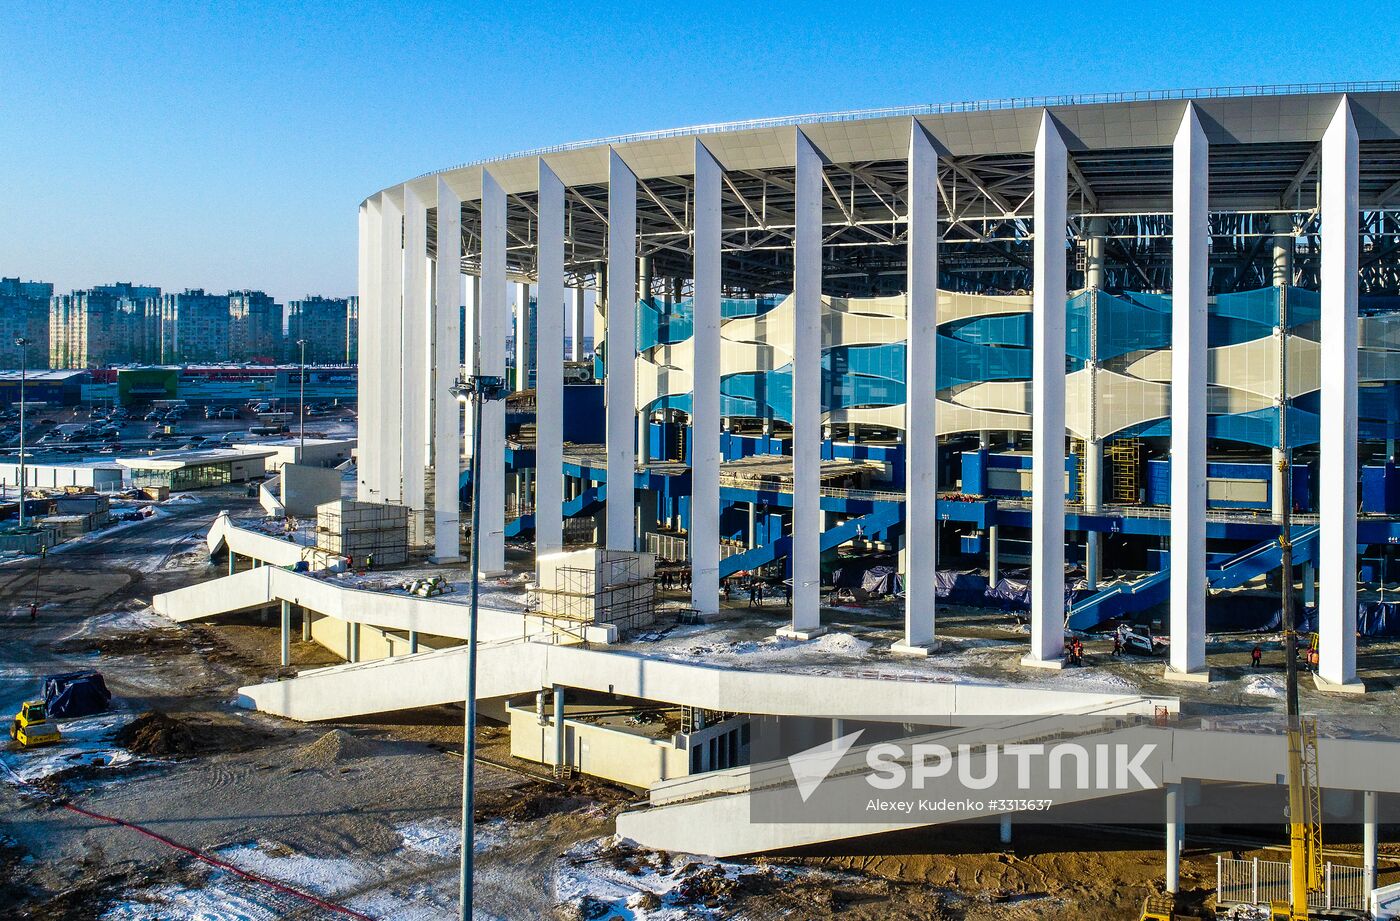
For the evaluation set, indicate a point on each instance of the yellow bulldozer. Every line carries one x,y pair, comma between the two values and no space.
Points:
31,726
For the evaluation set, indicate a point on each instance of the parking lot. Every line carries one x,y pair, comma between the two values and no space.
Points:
70,433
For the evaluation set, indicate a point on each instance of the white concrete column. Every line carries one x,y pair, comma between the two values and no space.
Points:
576,352
1337,449
921,399
447,412
621,355
388,438
369,460
549,366
1004,830
306,616
993,558
1176,822
286,633
1282,224
1190,236
807,395
415,366
560,749
491,362
704,420
1048,400
1369,838
522,335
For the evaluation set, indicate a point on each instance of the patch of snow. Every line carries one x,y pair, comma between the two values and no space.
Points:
86,741
441,838
214,902
586,870
122,620
1264,686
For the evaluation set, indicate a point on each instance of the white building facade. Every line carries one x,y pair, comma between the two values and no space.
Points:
1063,278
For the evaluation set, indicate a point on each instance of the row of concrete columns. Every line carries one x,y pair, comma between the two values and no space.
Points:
394,303
1175,796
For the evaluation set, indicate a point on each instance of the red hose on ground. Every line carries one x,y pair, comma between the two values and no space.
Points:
198,855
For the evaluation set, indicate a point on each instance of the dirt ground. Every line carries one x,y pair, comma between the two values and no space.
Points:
373,806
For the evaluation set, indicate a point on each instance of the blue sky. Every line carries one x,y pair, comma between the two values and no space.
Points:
222,146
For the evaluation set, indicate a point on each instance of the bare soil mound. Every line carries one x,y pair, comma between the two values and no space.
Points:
157,733
334,748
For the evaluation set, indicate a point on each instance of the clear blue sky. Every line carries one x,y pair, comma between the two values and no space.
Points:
222,146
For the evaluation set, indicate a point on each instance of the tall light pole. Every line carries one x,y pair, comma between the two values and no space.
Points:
476,390
301,404
23,344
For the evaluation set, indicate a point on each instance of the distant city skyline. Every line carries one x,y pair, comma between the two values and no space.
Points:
237,151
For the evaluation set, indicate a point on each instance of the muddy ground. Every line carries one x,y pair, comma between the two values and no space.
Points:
366,813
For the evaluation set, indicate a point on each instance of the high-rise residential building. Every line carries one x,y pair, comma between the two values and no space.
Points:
322,322
194,326
255,326
105,325
352,330
24,313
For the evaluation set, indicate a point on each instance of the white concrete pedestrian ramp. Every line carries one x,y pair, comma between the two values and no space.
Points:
719,812
509,667
521,653
224,536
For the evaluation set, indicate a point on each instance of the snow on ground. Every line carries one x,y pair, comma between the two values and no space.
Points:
760,652
502,594
86,742
640,885
443,839
121,620
1093,680
1264,686
368,887
831,653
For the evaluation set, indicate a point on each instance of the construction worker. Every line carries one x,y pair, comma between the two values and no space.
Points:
1117,645
33,613
1256,656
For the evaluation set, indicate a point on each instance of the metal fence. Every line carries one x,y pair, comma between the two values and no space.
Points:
1259,882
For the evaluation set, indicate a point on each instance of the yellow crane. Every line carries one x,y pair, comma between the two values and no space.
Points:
1304,820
